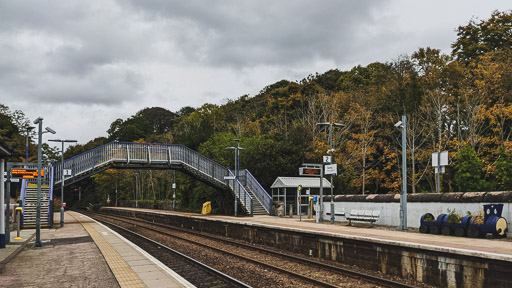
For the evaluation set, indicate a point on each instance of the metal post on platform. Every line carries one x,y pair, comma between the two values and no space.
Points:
331,150
2,211
62,178
403,196
237,164
39,121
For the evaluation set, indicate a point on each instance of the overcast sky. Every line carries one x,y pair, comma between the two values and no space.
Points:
82,64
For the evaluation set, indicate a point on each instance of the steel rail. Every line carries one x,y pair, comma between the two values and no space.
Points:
224,277
347,272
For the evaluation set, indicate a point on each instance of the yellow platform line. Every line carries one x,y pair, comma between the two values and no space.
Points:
124,274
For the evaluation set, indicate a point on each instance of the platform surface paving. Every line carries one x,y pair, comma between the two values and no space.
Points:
84,253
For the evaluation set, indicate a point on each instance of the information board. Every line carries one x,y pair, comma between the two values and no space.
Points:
306,171
25,173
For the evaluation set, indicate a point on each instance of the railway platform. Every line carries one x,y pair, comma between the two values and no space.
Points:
499,249
82,253
437,260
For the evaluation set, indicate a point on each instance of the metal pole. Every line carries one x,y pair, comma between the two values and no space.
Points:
332,188
2,211
403,198
174,190
116,192
37,243
438,186
321,217
136,191
236,182
26,158
62,187
8,196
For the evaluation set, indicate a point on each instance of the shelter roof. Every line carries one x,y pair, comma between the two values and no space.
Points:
294,182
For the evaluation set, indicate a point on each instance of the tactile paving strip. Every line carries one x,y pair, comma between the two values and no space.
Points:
124,274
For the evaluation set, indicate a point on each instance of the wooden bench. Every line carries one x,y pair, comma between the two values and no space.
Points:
363,215
338,211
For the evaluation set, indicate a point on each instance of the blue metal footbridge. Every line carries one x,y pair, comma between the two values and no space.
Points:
253,199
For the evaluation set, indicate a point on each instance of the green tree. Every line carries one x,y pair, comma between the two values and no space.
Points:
469,171
503,170
160,119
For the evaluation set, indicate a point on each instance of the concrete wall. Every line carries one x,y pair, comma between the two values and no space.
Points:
419,204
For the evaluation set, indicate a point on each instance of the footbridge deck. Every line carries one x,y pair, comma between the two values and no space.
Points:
123,155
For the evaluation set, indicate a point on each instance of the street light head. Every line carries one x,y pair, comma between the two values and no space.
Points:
70,141
339,125
54,140
398,124
237,140
50,130
230,148
39,119
323,124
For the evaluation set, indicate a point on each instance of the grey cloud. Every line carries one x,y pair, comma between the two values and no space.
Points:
242,34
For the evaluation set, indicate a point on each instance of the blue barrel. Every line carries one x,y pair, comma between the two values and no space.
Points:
458,229
425,225
436,227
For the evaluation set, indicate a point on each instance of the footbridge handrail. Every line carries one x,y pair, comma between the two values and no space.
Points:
257,189
141,155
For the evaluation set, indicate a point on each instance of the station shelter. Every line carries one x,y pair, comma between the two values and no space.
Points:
285,189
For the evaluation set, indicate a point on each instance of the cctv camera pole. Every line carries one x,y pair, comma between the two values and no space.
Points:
403,198
37,243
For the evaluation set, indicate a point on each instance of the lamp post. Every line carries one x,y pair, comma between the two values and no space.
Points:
237,167
136,190
403,196
62,181
29,128
331,150
39,121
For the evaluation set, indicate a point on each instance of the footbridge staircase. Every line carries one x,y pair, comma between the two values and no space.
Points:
253,198
28,198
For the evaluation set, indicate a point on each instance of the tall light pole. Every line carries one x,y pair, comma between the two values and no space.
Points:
136,190
62,181
403,196
39,121
237,167
331,150
29,128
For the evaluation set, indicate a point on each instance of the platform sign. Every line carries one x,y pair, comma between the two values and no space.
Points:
331,170
67,172
327,159
25,173
443,158
307,171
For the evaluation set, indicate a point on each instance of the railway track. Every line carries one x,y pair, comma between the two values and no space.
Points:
306,271
203,275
